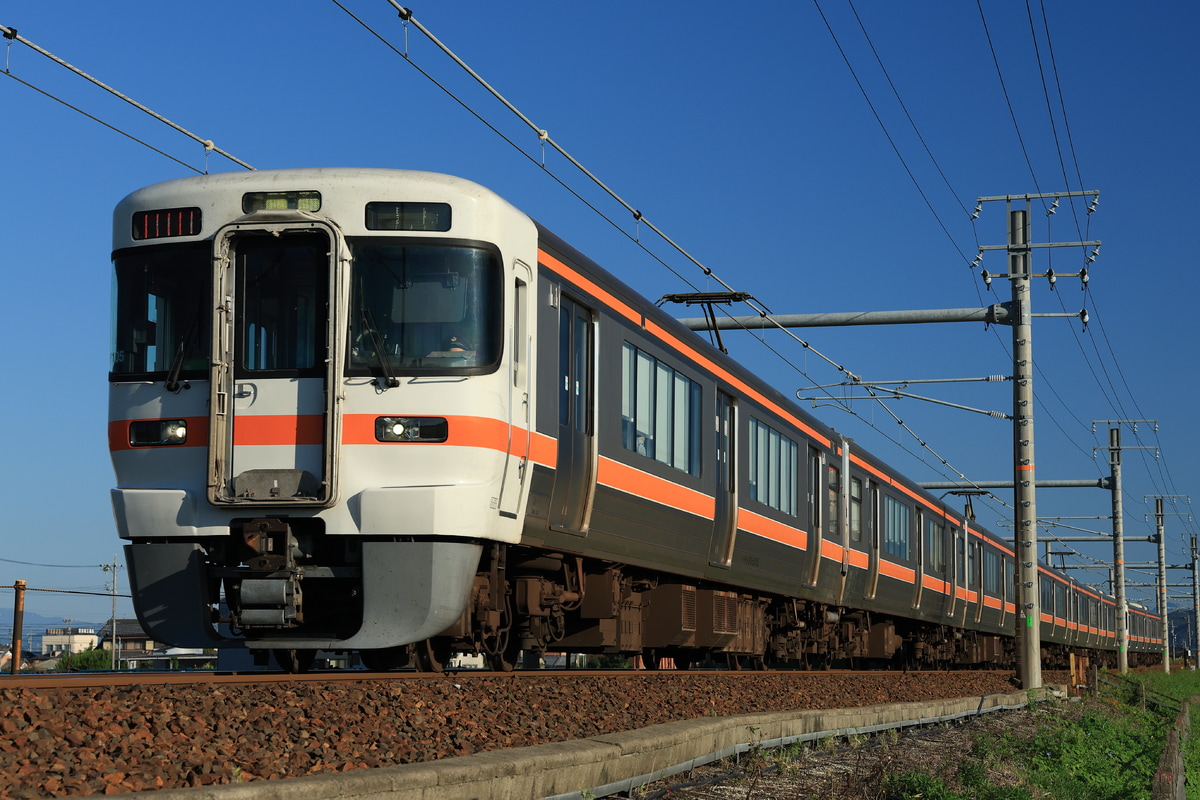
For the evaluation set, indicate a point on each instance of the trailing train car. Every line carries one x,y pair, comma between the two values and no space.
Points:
385,411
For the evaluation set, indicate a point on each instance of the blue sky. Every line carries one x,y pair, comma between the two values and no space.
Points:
741,133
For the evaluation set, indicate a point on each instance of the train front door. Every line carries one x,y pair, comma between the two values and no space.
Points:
575,467
271,440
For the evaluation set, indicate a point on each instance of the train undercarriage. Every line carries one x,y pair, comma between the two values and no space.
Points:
532,602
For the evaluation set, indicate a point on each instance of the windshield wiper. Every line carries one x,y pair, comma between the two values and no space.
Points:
172,382
389,380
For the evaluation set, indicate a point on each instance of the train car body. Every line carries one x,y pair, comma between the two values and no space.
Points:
385,411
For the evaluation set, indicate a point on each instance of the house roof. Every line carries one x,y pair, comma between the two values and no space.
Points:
126,629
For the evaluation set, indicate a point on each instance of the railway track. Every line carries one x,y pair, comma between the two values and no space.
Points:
124,732
176,678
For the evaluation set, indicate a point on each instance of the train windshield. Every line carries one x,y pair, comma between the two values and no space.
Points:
161,312
419,308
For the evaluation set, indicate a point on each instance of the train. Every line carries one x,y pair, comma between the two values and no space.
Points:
386,412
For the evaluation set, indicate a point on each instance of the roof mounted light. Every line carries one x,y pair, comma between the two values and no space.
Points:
273,201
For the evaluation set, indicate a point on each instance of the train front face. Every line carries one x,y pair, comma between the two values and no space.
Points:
316,418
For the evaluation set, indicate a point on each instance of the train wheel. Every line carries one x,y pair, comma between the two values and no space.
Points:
431,656
295,661
505,661
385,659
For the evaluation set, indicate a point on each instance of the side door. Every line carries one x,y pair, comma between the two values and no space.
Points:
720,552
575,467
520,392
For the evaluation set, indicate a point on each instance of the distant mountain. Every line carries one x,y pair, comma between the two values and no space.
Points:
38,623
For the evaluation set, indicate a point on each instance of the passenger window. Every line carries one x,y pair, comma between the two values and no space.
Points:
856,488
660,411
896,527
935,546
773,468
835,501
991,572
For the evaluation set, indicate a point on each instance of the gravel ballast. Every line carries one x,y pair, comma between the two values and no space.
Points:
77,742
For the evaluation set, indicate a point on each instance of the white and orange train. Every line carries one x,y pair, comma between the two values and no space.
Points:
385,411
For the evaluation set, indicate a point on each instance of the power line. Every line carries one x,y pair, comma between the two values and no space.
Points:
1012,113
545,139
11,35
886,133
54,566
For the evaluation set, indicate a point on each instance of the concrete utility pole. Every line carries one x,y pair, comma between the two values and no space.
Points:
1016,313
1020,309
114,643
1195,604
1160,528
1118,526
1024,471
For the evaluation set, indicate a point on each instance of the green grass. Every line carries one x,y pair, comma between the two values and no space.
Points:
1102,749
1181,686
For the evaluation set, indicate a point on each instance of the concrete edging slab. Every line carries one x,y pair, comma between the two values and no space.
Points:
604,764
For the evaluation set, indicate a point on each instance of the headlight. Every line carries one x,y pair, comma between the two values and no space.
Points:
153,432
411,429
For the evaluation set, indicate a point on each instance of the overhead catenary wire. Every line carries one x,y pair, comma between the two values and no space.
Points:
886,133
1058,148
545,139
1007,99
94,118
12,35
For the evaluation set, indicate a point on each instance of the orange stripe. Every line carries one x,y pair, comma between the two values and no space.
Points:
278,429
896,571
771,529
831,550
543,449
464,431
940,511
624,478
655,329
859,559
609,299
933,584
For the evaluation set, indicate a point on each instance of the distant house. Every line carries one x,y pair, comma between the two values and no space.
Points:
136,650
28,660
61,641
131,642
130,636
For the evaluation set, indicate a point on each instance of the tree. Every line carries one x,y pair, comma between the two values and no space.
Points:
87,661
